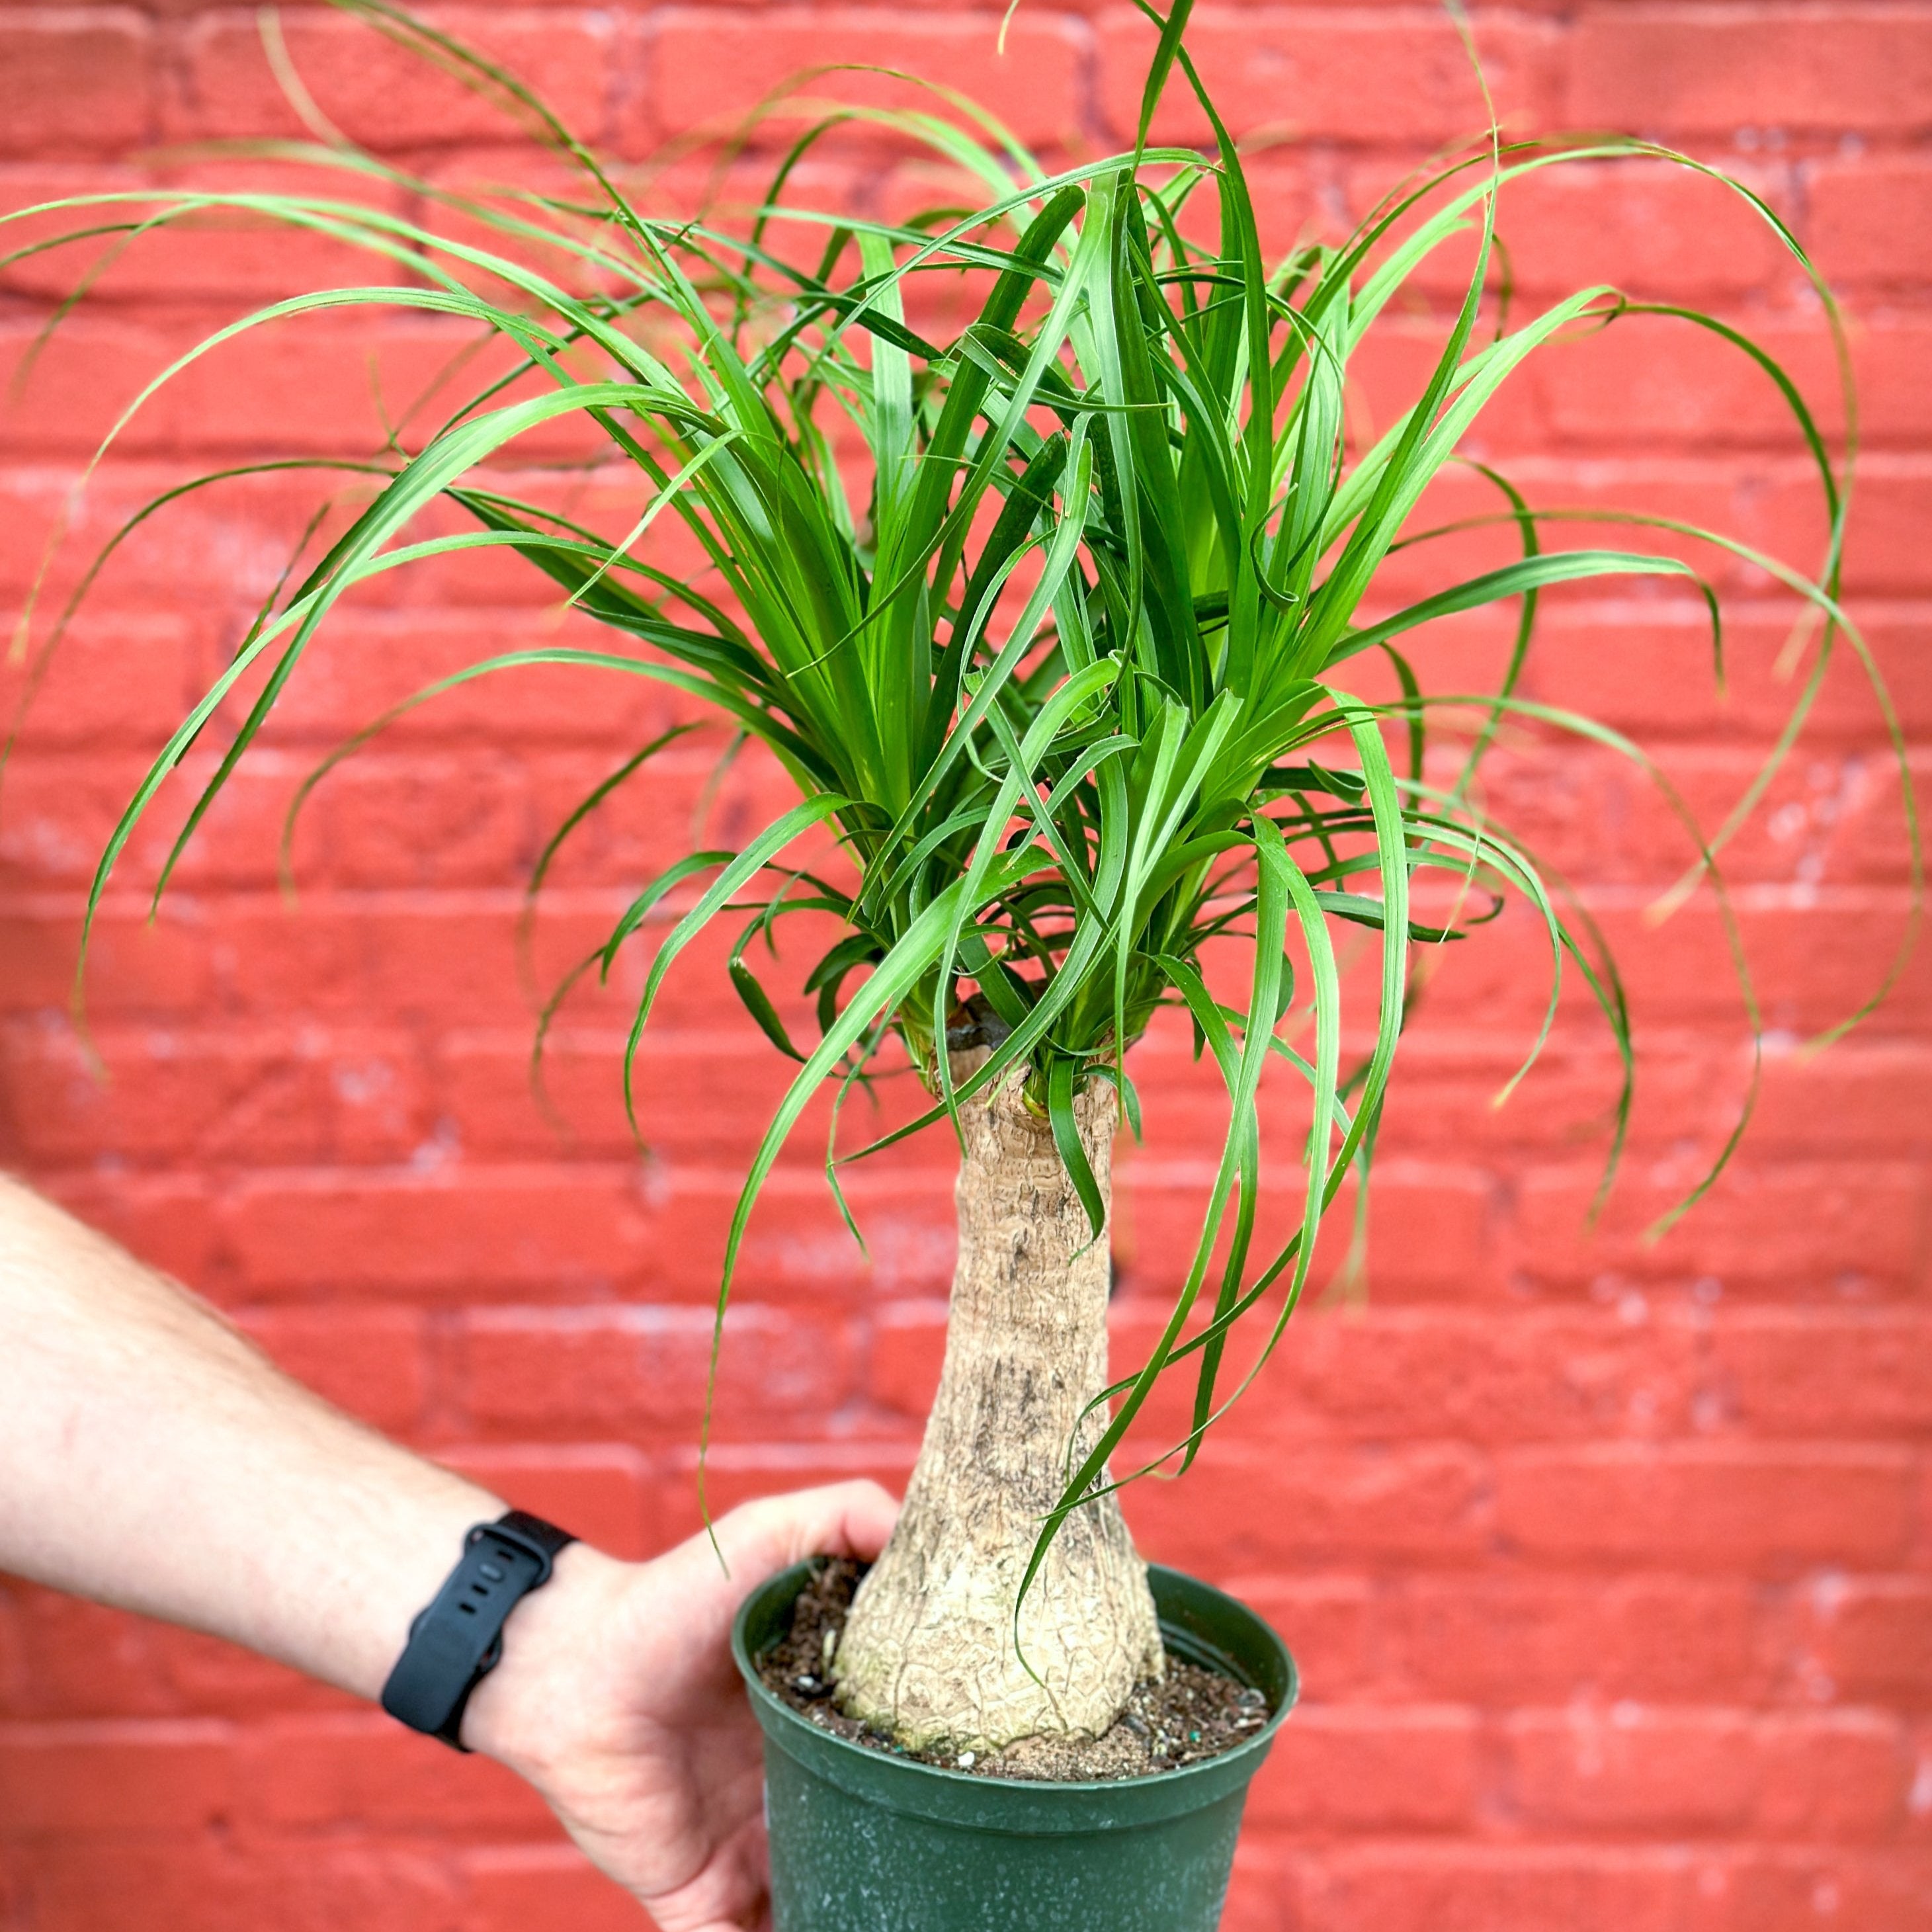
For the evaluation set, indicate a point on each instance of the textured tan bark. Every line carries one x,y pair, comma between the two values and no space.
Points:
929,1652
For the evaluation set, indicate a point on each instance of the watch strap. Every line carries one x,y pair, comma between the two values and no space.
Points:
455,1642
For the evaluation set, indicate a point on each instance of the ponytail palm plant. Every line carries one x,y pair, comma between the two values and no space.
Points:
1063,667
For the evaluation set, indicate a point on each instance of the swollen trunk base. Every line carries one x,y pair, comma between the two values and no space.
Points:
929,1654
864,1840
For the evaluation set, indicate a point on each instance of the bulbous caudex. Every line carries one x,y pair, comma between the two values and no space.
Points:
928,1653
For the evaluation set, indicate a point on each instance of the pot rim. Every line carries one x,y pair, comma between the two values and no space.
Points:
1228,1768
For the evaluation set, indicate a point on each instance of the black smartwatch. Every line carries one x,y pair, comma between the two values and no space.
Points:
456,1643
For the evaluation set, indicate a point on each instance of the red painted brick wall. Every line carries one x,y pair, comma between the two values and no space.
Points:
1610,1565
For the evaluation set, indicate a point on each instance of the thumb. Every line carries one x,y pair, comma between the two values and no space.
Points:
841,1519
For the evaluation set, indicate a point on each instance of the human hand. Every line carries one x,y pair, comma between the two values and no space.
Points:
618,1699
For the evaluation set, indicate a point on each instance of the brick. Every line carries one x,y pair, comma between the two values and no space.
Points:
1871,1638
13,1654
908,1342
225,88
510,1889
1432,1231
1871,218
1787,521
1430,1223
1497,1639
1648,228
303,386
1782,1372
82,1660
212,252
1655,382
1354,1769
1641,686
1357,76
446,954
1470,1377
1330,1623
327,383
1886,351
1870,1085
126,681
237,1092
655,819
1709,69
739,1472
1386,1373
217,552
166,1220
710,69
451,955
40,505
1415,1504
1883,554
335,1773
1785,1890
663,1225
628,1369
205,1674
373,1361
1707,1507
63,806
70,1659
93,1887
1506,969
483,1086
797,1245
1843,1778
1450,1077
495,1232
1822,817
74,1660
604,1495
415,822
1768,497
1392,367
1790,1229
74,79
1631,1770
608,497
115,1777
1478,1889
1265,1892
675,186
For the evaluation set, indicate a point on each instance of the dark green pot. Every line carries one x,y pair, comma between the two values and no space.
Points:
863,1841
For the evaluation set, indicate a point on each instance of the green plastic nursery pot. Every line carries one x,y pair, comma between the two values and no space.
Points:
865,1841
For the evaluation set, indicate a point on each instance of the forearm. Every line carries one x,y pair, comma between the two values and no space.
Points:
150,1456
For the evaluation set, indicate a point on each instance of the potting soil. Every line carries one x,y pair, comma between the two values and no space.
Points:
1189,1714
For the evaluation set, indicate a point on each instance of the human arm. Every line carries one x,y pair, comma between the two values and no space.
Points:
151,1457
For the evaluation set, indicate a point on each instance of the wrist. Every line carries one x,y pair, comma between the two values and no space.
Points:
521,1711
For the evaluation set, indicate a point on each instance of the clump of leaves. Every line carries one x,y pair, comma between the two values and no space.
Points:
1067,679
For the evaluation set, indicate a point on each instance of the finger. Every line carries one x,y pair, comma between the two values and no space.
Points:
841,1519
